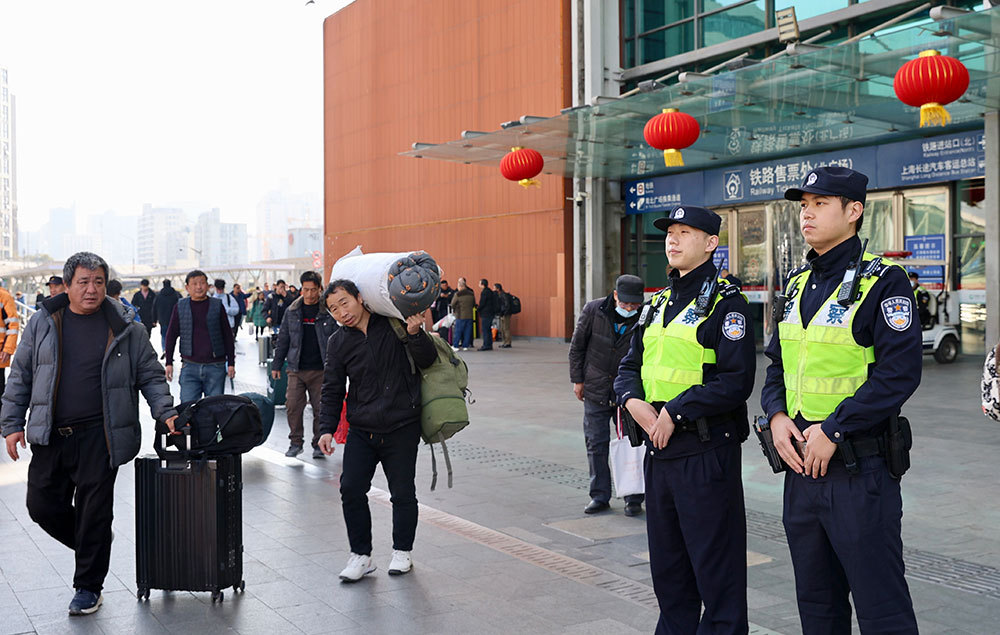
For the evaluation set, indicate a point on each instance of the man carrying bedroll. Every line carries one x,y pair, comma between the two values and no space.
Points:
686,380
841,368
79,368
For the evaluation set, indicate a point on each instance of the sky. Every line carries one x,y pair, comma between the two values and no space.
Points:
210,103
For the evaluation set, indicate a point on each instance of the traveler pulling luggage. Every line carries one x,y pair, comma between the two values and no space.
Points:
277,388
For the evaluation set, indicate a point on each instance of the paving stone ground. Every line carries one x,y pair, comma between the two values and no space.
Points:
508,549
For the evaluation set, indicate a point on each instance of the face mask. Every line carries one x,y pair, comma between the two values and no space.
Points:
625,313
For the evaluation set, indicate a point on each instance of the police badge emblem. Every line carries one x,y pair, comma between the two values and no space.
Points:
898,312
812,178
734,326
679,212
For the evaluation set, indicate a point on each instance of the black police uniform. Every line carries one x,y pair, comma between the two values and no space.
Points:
695,515
844,529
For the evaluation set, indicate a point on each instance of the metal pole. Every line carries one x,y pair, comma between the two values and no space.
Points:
992,213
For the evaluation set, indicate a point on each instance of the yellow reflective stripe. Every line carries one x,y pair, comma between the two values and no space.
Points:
674,375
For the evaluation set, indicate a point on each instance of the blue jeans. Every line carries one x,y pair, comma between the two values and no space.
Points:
202,379
462,337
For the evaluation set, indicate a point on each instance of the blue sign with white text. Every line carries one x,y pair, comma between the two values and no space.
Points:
927,247
663,193
944,158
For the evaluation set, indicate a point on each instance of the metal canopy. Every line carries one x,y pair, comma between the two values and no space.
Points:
810,102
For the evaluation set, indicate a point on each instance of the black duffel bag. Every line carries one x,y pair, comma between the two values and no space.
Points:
220,424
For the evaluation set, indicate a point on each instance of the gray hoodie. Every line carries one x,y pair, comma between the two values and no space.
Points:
129,366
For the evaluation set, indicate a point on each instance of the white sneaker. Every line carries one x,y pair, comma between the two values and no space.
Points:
455,348
401,562
358,566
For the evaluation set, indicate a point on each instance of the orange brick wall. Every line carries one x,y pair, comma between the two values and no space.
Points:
399,71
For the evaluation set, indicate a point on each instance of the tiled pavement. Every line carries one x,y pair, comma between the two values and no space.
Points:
507,550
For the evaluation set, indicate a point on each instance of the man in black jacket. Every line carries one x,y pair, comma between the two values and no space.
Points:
144,302
385,422
275,305
163,308
305,330
600,341
488,308
441,307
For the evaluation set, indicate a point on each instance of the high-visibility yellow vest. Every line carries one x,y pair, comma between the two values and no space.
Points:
672,358
823,364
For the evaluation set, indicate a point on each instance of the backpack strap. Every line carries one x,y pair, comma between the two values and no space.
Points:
447,462
434,468
397,325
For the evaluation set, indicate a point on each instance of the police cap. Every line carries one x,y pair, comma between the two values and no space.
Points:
697,217
832,181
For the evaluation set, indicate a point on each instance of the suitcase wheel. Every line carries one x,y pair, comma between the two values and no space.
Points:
241,587
142,594
217,596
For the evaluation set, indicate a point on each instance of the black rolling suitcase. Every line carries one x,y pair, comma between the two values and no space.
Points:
189,525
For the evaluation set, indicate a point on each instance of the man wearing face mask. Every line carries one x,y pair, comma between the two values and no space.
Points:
599,343
686,380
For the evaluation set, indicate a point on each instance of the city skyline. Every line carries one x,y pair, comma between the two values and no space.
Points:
111,119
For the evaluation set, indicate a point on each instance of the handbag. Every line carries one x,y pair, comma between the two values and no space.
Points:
627,463
991,385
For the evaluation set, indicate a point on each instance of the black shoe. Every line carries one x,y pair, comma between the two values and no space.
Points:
85,602
633,509
294,450
596,506
483,348
318,454
505,346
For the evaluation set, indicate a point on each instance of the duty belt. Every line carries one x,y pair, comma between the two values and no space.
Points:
699,426
853,449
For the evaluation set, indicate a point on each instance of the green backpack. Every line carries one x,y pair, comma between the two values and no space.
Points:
444,395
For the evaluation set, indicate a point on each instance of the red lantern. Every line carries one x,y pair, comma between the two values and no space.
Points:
522,165
671,131
931,81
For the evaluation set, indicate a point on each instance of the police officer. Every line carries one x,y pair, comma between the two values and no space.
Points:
685,380
839,371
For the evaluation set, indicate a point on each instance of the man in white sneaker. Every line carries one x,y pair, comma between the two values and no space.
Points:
383,407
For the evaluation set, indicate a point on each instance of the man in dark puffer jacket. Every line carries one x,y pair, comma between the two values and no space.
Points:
600,341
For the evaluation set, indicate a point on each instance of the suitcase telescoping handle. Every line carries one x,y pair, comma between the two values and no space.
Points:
160,444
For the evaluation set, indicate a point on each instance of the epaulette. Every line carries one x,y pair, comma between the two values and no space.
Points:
795,272
728,290
876,267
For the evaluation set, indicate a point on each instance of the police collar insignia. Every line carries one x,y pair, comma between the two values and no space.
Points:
898,312
734,326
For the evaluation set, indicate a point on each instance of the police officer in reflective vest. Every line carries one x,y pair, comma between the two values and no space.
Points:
685,381
846,358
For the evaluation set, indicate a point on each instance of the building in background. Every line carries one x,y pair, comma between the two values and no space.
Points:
396,73
163,236
8,170
277,211
218,243
115,238
305,242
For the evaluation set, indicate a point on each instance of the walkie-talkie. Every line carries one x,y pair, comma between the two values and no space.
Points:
703,303
848,293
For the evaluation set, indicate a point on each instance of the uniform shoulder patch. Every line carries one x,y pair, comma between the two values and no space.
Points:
734,327
898,312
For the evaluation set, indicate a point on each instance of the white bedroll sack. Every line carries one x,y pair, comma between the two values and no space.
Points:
392,284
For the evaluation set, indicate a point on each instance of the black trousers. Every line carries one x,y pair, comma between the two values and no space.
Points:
486,319
397,452
844,535
697,530
71,491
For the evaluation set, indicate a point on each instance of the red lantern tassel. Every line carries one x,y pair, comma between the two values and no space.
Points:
526,183
672,158
934,114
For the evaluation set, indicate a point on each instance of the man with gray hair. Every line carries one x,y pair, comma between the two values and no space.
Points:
79,368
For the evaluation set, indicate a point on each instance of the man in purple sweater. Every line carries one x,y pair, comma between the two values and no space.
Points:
206,344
